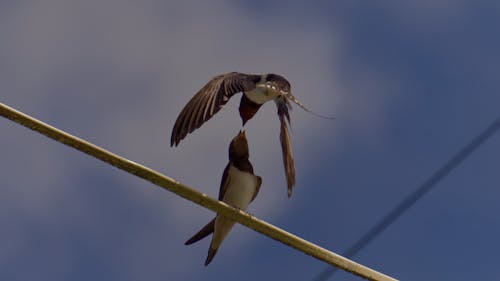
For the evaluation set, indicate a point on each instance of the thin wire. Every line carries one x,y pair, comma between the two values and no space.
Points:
191,194
416,195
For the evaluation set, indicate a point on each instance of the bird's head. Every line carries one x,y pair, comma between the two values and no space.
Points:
238,148
277,83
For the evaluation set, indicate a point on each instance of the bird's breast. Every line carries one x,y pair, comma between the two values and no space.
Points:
241,188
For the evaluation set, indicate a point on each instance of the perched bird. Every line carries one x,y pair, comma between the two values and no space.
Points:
257,90
238,188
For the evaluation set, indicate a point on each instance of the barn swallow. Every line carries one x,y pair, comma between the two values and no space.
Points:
257,90
238,188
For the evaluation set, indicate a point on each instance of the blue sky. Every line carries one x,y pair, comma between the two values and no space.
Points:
409,84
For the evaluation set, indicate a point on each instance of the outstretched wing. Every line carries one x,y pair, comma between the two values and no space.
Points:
209,100
286,145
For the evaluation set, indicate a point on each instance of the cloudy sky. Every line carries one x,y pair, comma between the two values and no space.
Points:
409,84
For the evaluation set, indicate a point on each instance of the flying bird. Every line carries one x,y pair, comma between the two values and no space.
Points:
238,188
257,90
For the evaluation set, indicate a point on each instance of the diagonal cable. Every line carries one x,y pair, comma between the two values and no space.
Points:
416,195
192,195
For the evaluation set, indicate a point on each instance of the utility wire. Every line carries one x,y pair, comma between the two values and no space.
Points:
416,195
192,195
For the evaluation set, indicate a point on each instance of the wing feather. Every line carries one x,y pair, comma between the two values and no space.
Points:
286,143
224,182
209,100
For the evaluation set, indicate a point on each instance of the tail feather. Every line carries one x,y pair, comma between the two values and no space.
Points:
286,144
204,232
288,161
211,255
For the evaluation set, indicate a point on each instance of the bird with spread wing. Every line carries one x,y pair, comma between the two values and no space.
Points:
257,90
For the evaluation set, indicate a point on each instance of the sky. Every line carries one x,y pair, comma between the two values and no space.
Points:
410,83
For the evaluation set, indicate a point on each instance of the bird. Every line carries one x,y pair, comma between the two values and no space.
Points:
239,187
257,90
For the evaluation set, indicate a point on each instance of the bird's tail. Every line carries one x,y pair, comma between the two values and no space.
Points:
283,105
204,232
211,255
